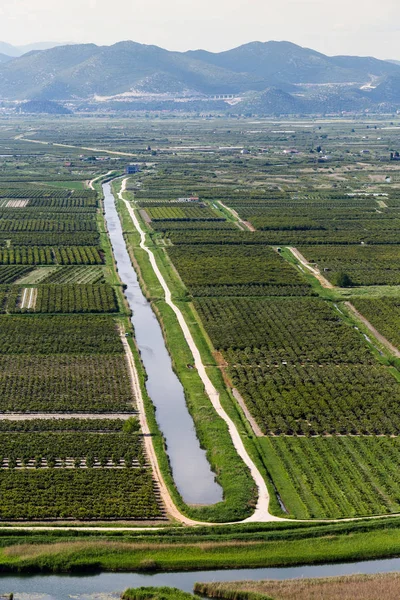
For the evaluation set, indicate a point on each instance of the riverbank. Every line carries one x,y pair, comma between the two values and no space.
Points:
198,548
355,587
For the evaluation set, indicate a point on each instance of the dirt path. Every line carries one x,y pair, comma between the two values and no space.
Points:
32,298
92,182
384,341
245,224
24,295
118,153
261,513
323,281
253,423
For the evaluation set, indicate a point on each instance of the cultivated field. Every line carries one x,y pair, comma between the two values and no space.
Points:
64,374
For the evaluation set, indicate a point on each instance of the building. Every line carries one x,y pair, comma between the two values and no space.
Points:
132,169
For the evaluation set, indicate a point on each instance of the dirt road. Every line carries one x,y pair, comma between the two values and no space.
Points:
253,423
92,182
246,224
384,341
323,281
105,150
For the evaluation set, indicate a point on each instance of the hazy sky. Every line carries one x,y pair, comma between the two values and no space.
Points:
364,27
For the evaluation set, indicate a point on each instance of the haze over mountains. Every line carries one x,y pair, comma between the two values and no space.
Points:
13,51
265,78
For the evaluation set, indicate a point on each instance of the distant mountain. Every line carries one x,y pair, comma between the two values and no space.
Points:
394,62
270,77
284,62
43,107
387,91
15,51
274,101
4,58
86,70
269,102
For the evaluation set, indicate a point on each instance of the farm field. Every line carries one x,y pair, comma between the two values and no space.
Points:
336,476
365,265
68,471
64,372
324,394
236,271
301,364
300,368
384,314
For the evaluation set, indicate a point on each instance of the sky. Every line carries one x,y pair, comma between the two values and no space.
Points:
362,27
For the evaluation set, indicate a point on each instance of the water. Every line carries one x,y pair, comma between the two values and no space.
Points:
191,470
109,586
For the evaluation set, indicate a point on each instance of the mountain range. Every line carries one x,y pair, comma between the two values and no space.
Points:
265,77
13,51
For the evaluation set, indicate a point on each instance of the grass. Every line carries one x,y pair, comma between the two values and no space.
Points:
242,546
353,587
371,291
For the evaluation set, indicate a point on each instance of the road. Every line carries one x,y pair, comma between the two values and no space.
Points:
245,224
323,281
384,341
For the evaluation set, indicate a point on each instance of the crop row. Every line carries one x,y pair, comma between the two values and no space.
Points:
273,238
56,215
74,255
78,494
333,477
51,446
70,425
68,203
75,299
65,383
169,226
79,238
250,290
47,335
70,225
312,399
33,192
184,213
294,330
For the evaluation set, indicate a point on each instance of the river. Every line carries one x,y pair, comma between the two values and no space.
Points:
191,470
109,586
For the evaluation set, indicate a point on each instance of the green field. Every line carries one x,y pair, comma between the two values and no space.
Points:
324,393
